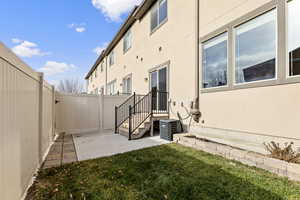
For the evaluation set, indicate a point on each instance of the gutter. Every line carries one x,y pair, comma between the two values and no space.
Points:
98,61
196,114
136,14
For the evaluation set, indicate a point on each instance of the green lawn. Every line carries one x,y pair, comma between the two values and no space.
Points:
164,172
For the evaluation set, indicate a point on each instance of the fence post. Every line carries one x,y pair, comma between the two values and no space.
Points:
101,111
130,120
134,101
53,113
40,120
116,119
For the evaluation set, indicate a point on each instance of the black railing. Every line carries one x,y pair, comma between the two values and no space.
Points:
122,112
137,109
160,104
139,113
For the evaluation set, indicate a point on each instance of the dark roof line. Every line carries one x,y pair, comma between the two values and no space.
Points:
98,61
136,13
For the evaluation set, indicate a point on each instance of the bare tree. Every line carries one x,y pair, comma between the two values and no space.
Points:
70,86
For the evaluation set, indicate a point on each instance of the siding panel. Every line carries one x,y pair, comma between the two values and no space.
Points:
19,114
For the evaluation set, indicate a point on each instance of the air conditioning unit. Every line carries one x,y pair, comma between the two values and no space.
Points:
168,128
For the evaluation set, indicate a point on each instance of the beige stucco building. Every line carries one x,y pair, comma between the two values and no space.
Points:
236,61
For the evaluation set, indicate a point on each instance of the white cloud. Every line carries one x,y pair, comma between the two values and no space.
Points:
113,9
80,28
27,49
98,50
53,68
16,40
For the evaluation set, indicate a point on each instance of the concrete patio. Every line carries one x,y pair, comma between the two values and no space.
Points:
106,143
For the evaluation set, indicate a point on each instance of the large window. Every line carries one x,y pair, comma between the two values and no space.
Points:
127,41
294,37
255,48
159,13
215,61
111,58
111,88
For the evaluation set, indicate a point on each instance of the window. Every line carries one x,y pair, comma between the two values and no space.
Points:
111,58
111,88
214,62
255,48
159,13
101,67
294,37
127,41
127,85
96,73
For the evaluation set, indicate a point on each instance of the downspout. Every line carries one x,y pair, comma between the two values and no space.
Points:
196,107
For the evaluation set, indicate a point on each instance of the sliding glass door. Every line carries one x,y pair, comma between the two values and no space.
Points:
159,86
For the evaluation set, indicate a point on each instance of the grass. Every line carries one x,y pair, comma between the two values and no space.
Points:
165,172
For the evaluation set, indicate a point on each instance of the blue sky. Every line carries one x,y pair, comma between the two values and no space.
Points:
61,37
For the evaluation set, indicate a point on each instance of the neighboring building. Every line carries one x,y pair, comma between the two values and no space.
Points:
96,81
146,53
248,84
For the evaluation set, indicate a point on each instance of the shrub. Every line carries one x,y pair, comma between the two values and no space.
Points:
286,153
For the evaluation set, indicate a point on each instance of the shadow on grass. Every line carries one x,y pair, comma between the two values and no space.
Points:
165,172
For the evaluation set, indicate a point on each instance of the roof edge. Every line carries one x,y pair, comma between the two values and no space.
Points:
137,13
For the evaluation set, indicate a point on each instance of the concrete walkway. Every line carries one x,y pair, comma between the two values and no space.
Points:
102,144
61,152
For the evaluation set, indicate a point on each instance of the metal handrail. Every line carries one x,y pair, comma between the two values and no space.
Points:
137,110
128,99
121,114
141,111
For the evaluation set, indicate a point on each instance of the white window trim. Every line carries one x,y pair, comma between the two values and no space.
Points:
114,82
234,50
126,78
282,60
287,70
228,60
161,23
127,37
157,68
101,67
111,57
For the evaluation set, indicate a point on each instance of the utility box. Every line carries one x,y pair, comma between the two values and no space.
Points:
168,128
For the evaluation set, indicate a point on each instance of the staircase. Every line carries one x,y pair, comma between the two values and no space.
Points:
136,116
138,133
